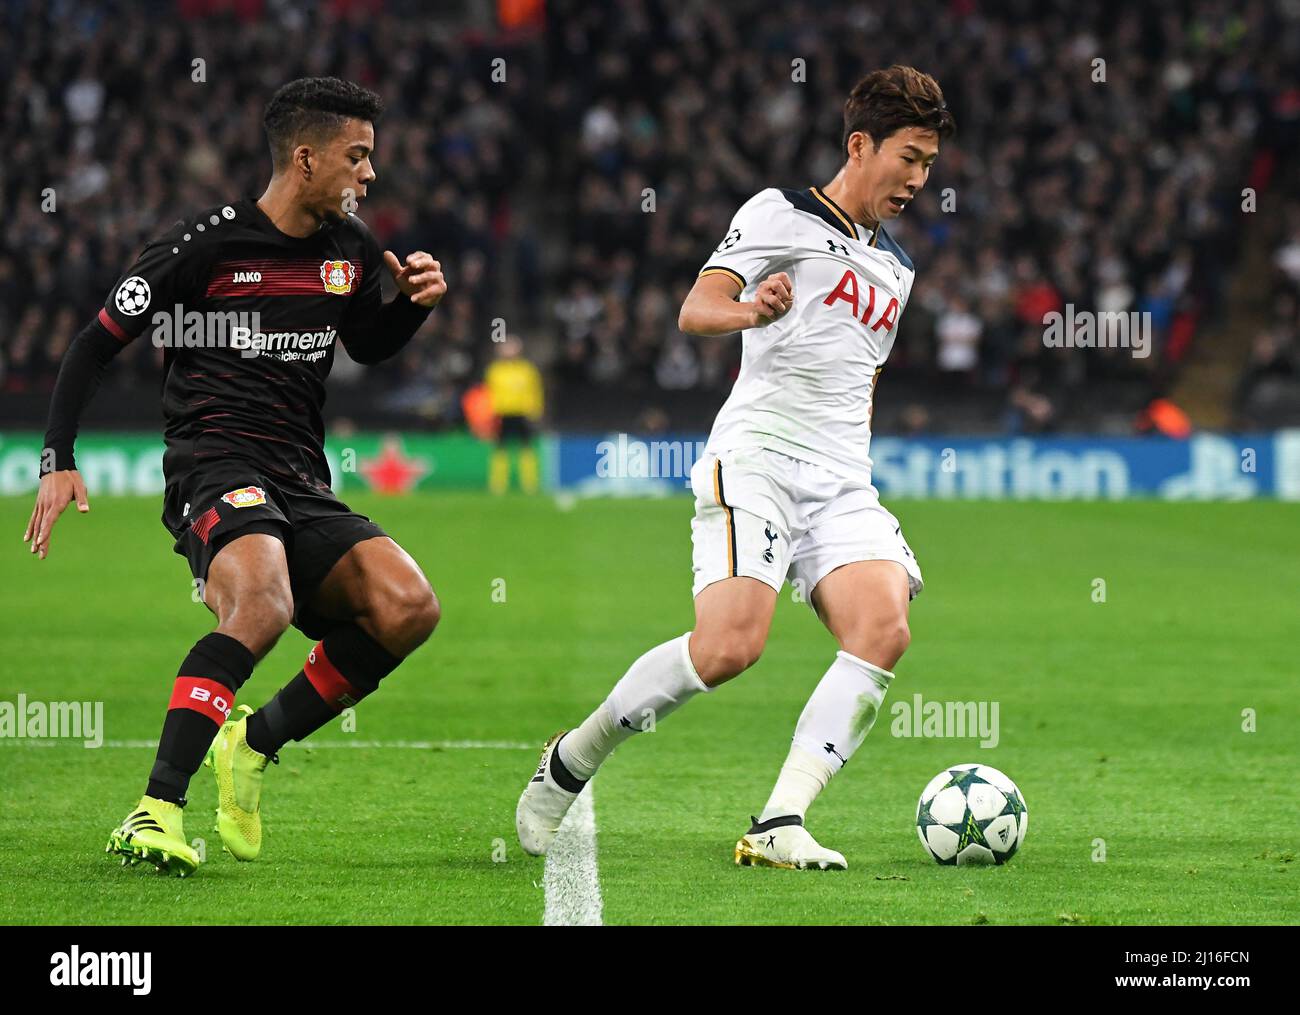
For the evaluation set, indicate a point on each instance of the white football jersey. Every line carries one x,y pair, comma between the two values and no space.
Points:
807,381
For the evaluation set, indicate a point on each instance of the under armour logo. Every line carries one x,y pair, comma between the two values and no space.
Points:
771,538
838,246
830,749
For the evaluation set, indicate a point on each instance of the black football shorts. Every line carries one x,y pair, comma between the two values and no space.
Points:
515,430
208,504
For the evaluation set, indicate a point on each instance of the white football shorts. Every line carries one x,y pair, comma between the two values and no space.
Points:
761,514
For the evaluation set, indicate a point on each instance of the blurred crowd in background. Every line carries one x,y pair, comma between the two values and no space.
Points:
1100,161
1113,185
1269,389
100,105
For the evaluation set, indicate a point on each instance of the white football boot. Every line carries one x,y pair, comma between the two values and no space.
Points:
784,842
546,800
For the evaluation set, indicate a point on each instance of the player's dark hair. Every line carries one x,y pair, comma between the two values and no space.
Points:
313,109
888,100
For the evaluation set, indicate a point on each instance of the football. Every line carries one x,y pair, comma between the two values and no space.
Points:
971,814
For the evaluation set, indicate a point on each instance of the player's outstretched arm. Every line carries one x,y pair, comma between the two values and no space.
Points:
79,375
711,307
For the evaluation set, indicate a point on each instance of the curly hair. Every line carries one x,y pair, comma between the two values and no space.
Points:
888,100
313,109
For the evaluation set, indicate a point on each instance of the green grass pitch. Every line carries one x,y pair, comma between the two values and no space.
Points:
1121,721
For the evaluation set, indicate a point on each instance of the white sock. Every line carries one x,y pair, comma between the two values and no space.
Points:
836,720
658,683
802,777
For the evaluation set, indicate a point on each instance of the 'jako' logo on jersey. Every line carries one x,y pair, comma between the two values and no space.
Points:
248,496
133,296
247,276
337,276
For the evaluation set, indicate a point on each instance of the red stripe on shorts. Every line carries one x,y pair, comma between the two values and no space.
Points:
208,697
205,523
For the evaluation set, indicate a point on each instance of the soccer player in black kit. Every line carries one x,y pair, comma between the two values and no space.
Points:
248,498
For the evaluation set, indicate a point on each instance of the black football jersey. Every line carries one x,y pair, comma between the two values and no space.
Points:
248,318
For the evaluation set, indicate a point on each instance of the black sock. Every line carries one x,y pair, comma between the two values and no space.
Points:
296,710
202,697
342,669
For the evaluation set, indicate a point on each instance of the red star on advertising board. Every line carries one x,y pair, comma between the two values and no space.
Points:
393,471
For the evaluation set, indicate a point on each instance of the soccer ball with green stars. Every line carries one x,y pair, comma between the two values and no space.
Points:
971,814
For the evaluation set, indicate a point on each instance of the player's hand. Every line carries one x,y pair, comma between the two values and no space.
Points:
773,297
420,279
58,490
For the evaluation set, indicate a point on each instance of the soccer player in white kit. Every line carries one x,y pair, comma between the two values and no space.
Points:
817,286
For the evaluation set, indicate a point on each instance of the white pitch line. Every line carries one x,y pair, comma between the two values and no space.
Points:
426,745
571,878
396,745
